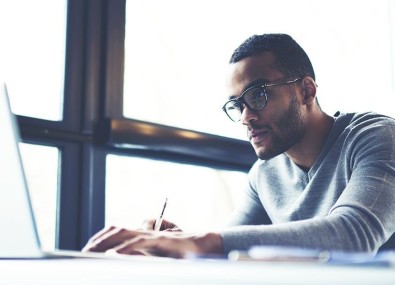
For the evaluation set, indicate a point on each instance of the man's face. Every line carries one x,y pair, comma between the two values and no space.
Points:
279,125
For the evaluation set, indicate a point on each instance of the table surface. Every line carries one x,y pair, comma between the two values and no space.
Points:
170,271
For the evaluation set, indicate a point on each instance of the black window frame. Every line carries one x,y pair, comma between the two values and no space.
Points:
94,126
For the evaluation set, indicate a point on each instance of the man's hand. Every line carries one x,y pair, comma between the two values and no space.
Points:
149,225
170,244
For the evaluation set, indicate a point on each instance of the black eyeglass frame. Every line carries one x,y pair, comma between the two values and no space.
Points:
240,100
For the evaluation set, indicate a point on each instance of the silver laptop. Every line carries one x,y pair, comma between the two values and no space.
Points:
19,237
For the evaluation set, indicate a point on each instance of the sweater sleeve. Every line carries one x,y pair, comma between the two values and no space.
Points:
361,219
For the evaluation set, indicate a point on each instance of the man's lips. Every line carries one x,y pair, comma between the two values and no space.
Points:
257,135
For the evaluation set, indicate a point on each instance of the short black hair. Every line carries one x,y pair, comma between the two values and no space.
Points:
291,59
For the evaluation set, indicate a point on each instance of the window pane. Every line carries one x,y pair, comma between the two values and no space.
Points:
32,55
199,198
41,167
177,53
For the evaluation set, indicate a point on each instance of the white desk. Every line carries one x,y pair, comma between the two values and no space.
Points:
118,272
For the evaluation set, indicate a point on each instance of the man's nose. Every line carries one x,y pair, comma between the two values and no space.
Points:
248,115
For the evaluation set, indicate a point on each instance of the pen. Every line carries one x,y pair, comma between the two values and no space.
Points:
159,220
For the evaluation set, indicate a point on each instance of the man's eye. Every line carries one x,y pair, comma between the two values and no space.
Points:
258,93
235,106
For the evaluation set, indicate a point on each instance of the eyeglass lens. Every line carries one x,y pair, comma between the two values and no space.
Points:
255,99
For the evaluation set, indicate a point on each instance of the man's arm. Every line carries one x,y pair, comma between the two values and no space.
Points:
170,244
361,219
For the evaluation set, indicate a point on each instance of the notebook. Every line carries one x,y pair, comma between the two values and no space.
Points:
19,237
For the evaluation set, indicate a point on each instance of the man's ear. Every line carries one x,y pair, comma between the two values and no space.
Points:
309,90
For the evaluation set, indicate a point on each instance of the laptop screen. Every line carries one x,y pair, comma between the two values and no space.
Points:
19,234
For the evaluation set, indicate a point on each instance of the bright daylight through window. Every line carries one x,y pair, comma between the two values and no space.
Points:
32,55
177,53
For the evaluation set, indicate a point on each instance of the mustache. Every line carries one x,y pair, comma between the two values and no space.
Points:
252,126
253,129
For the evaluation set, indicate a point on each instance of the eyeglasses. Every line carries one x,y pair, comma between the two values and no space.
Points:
254,98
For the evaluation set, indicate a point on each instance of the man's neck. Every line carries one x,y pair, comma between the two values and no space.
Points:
305,153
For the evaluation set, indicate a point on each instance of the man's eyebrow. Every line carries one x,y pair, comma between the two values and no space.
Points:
249,85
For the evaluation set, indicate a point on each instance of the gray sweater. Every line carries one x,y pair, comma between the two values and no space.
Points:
346,201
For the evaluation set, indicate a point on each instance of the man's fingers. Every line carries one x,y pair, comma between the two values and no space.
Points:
101,233
154,245
114,252
97,236
148,225
110,239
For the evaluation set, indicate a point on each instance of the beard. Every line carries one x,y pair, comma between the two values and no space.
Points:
290,123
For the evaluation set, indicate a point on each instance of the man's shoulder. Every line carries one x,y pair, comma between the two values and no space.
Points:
365,120
372,117
366,128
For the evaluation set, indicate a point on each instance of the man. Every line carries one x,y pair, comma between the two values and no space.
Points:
323,182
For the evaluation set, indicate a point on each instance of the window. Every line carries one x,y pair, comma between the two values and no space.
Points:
32,54
177,51
199,198
41,167
43,66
